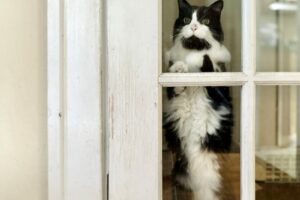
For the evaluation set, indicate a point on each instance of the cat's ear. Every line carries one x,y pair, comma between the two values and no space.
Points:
183,5
217,6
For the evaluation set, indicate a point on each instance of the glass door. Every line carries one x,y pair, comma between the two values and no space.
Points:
277,122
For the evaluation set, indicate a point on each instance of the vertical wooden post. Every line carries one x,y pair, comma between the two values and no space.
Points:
134,99
248,101
75,136
55,98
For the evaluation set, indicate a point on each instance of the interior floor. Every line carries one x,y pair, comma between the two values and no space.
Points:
231,182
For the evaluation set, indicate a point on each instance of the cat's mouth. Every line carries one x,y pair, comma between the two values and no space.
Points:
196,43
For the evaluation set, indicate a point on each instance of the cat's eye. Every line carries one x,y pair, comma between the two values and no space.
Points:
205,21
187,20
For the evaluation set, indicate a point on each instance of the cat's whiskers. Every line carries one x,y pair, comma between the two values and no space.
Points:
176,33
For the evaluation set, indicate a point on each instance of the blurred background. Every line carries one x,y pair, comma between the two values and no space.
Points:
278,107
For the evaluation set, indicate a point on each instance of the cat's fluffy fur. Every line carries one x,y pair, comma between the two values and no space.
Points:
198,120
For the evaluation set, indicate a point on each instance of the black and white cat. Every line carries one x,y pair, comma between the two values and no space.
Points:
198,120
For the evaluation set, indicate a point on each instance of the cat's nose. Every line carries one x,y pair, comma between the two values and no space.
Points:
194,27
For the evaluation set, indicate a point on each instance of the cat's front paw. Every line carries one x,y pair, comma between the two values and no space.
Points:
179,67
179,90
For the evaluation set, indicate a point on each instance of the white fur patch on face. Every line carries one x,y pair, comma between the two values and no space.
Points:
195,28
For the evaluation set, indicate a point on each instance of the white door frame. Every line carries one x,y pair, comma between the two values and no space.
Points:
75,139
76,46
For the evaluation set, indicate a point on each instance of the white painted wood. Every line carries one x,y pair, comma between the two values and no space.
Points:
83,135
134,96
249,37
202,79
277,78
228,79
75,139
55,131
248,101
248,142
76,145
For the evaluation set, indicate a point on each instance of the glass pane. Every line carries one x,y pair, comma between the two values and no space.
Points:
277,35
187,116
231,24
277,142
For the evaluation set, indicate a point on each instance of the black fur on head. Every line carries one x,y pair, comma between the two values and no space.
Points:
211,13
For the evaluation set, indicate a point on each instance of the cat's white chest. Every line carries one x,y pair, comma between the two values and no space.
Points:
194,59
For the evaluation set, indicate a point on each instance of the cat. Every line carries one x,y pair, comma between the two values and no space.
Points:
198,120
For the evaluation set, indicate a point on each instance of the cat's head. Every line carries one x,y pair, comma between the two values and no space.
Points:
199,23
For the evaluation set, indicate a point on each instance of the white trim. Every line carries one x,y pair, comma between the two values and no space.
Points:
75,139
83,134
248,105
248,141
277,78
228,79
203,79
55,131
134,99
249,37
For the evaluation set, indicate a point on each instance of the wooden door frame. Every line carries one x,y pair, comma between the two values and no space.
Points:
75,133
98,70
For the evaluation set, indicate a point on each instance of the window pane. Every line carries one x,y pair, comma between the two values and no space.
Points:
231,24
193,110
277,142
277,35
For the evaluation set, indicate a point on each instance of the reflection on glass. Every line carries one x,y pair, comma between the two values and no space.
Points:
277,35
277,142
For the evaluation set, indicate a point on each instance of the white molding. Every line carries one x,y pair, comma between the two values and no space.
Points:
277,78
203,79
248,105
248,117
249,37
134,99
75,139
229,79
83,134
55,131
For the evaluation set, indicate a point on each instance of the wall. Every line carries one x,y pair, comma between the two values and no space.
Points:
23,106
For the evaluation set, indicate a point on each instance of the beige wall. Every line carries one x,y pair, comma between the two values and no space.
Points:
23,143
